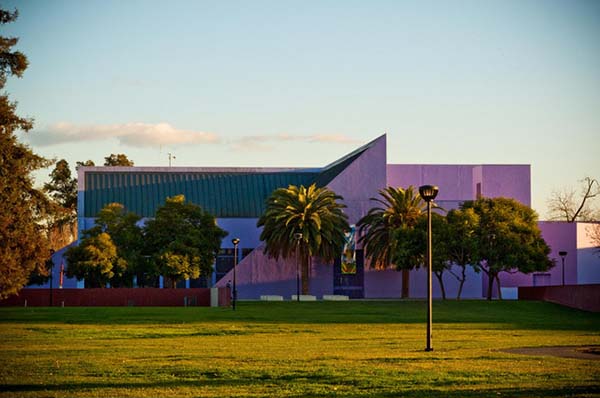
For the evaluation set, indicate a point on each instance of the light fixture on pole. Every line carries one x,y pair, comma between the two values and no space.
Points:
235,242
562,255
428,193
297,237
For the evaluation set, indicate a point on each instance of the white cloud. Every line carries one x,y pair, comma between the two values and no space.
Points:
267,142
131,134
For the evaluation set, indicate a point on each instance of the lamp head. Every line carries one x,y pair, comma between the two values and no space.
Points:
428,192
235,241
562,253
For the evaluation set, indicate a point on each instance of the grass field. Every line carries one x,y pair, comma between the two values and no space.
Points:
364,348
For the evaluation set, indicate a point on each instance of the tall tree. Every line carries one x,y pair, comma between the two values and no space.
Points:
117,160
411,247
122,227
397,208
183,240
567,205
95,259
62,219
23,243
507,238
461,244
313,212
86,163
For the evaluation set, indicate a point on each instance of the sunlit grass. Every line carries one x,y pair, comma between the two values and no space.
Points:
296,349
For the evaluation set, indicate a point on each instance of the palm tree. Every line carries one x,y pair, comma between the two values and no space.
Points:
313,212
399,208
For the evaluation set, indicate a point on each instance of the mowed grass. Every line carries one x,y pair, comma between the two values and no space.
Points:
358,348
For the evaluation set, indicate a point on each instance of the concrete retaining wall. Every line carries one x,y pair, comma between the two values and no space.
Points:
583,297
116,297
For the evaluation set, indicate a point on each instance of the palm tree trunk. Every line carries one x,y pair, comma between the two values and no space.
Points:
405,283
305,273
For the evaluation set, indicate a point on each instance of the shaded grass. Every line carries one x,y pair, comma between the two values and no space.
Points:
357,348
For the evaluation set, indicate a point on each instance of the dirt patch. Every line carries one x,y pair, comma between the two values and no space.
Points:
577,352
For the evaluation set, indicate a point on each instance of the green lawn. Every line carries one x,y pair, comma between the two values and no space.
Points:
293,349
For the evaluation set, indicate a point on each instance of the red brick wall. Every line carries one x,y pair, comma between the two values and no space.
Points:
116,297
583,297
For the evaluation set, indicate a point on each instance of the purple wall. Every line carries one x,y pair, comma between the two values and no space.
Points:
68,283
509,181
258,275
588,254
559,236
361,180
455,181
242,228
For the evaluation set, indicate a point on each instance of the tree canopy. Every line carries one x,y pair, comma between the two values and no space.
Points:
507,238
62,217
183,240
95,259
397,209
23,242
117,160
313,212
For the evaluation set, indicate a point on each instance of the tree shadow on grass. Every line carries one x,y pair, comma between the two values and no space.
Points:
320,383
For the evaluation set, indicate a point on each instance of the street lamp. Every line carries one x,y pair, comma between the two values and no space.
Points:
297,236
235,242
562,255
428,193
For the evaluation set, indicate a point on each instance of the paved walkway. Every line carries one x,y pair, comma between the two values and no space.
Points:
577,352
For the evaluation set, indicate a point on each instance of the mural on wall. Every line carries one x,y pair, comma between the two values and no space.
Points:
349,252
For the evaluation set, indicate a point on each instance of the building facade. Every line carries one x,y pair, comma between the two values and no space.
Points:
236,196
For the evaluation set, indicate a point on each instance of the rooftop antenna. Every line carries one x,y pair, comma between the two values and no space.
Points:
171,156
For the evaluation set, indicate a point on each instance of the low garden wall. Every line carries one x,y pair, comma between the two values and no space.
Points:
118,297
583,297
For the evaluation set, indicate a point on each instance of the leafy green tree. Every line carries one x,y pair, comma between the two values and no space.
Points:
117,160
122,227
23,242
461,243
62,188
397,208
37,278
85,164
313,212
507,239
95,260
183,240
411,247
62,217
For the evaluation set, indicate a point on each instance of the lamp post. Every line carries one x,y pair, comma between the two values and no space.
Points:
428,193
297,236
562,255
235,242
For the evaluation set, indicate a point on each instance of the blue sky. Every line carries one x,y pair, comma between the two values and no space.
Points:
282,83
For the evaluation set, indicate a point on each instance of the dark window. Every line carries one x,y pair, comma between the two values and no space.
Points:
224,261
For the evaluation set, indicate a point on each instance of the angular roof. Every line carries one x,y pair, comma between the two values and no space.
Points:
230,192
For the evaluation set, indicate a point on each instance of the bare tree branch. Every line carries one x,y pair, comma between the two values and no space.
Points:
564,205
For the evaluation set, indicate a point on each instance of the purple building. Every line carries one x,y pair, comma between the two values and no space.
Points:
237,196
